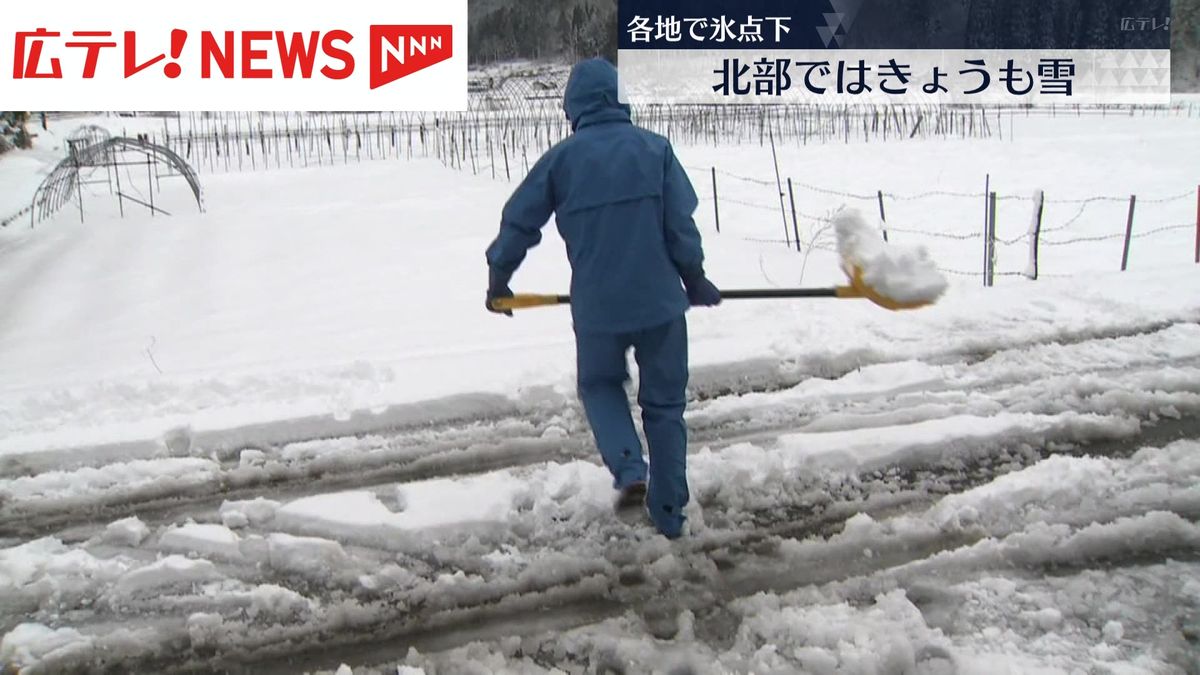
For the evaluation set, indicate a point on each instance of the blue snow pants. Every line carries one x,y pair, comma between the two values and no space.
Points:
661,355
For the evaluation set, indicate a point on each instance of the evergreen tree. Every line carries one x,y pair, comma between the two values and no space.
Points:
13,132
578,30
535,29
565,37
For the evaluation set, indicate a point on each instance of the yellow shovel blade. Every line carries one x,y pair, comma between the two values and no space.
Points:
860,289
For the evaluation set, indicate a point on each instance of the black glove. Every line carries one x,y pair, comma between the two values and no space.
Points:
498,288
700,291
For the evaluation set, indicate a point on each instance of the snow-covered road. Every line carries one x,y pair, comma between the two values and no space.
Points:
908,494
284,435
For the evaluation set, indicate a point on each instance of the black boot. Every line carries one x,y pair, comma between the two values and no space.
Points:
632,496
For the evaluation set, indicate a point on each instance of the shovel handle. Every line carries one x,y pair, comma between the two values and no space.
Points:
529,300
857,289
769,293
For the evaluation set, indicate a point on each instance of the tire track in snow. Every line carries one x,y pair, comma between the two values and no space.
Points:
79,517
590,599
743,544
706,383
890,564
453,449
746,560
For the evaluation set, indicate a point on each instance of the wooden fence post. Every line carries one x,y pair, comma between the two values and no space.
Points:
79,191
1128,232
795,226
1036,234
716,209
779,187
987,190
150,185
120,197
882,216
990,243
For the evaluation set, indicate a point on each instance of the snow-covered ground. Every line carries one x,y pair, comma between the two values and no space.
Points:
284,434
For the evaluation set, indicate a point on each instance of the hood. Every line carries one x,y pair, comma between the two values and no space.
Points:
591,94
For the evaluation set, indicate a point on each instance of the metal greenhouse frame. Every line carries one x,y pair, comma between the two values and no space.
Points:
92,151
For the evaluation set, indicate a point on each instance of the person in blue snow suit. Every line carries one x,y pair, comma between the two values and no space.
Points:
624,206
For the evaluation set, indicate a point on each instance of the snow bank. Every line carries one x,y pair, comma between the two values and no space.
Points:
245,335
903,273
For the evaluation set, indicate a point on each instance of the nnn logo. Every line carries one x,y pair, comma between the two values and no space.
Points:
397,51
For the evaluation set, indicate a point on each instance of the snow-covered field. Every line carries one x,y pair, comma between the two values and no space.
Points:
284,434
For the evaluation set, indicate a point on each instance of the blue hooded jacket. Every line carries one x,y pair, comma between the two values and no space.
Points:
624,208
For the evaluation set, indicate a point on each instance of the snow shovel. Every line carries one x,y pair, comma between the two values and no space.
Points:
908,271
857,288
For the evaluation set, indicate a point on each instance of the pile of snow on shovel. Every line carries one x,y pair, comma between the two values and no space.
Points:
905,274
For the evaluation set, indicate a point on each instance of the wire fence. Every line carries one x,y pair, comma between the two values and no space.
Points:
500,141
511,119
1074,222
